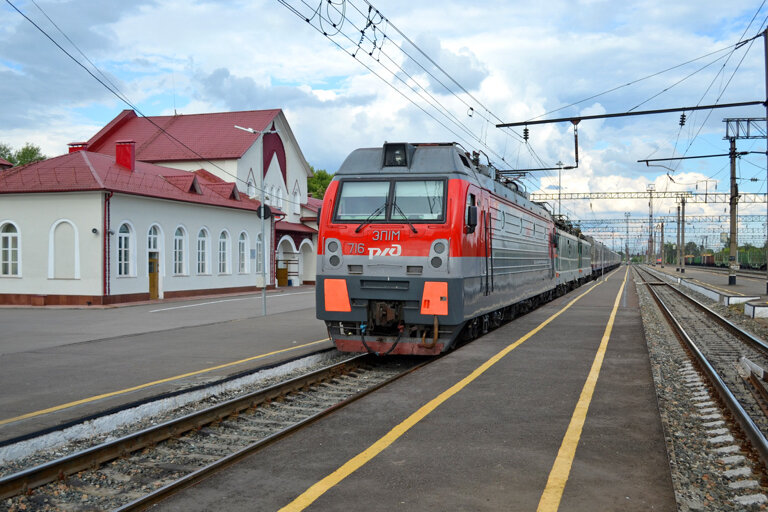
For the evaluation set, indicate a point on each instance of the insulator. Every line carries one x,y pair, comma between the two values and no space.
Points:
525,134
682,119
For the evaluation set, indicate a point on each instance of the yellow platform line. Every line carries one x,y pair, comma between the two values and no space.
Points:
318,489
153,383
725,290
558,477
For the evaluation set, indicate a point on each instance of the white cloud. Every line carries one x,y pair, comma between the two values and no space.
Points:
520,60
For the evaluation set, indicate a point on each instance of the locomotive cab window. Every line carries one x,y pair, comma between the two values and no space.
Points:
363,200
391,201
418,200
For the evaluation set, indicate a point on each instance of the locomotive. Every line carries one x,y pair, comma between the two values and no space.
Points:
421,246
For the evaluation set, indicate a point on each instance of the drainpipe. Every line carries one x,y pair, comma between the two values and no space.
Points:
106,247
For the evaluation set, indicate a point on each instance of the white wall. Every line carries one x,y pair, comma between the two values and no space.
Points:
141,213
36,216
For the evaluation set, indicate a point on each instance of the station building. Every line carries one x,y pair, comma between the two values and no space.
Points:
88,228
269,158
159,207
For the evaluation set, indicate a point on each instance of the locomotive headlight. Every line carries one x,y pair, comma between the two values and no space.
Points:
333,252
438,254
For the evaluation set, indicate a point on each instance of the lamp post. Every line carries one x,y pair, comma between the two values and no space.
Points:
263,214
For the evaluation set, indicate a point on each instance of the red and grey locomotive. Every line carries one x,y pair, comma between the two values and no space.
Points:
420,244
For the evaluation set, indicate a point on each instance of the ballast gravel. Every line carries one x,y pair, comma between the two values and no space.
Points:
712,467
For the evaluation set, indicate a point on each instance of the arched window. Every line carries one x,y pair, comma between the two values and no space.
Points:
202,252
242,253
297,203
251,189
124,250
279,197
259,254
9,251
179,244
224,253
152,239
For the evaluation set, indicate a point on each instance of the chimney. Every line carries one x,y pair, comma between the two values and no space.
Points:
77,146
125,154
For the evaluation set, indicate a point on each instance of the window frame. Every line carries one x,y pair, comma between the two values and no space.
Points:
180,251
243,248
205,252
259,254
10,250
224,252
126,259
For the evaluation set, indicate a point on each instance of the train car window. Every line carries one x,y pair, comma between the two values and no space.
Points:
363,201
418,200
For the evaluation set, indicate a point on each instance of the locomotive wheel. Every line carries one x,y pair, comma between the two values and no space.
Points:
471,329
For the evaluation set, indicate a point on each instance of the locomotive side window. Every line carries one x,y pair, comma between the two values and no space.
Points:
471,201
418,200
363,200
470,219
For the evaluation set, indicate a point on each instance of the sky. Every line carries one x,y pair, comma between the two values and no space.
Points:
425,71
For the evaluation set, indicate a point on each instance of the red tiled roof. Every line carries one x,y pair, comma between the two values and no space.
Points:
212,136
282,225
5,163
313,204
84,171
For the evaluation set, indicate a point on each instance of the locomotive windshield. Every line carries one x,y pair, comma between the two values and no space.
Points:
393,201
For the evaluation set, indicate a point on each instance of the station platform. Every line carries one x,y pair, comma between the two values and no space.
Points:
746,285
555,410
749,288
61,365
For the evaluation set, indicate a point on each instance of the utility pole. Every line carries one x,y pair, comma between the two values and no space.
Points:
662,244
559,186
733,257
682,234
626,215
650,188
765,61
263,211
677,249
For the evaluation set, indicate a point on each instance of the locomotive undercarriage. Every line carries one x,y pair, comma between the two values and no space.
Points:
385,332
385,326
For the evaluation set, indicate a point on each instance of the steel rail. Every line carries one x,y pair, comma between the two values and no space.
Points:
733,328
155,497
23,481
748,426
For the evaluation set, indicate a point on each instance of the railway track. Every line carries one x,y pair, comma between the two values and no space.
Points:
138,470
731,358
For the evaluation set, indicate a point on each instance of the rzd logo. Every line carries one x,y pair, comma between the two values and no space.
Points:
395,250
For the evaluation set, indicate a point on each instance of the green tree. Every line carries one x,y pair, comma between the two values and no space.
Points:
27,154
6,152
317,184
